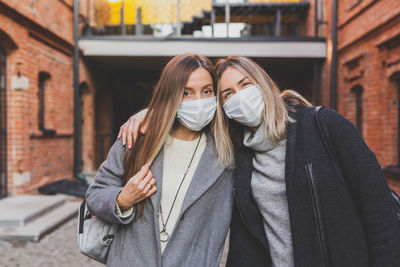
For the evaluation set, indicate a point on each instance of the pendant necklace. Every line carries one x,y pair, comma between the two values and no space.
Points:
164,236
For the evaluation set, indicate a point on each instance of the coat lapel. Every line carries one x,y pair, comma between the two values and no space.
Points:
207,173
157,170
294,185
244,199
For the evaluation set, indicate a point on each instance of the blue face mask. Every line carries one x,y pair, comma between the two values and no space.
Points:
246,106
196,114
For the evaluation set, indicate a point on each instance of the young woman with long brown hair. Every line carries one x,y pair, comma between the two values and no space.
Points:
298,202
172,199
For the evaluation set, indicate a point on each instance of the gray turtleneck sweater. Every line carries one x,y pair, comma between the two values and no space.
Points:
269,192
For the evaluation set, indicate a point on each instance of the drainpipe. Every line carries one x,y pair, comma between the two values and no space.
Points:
333,83
315,63
316,19
77,124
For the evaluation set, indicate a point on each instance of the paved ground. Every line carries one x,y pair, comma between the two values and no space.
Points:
58,248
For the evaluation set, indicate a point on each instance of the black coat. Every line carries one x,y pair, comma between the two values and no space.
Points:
357,220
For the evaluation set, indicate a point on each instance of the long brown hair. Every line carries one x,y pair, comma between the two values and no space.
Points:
276,108
162,109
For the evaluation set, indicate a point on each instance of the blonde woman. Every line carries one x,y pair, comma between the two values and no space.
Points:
293,207
311,217
177,211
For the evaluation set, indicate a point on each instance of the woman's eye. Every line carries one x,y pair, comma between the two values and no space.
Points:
185,93
246,84
227,95
208,91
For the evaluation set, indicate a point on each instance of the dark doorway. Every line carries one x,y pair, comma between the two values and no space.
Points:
3,125
132,93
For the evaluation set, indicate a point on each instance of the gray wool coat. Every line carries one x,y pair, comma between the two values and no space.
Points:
200,231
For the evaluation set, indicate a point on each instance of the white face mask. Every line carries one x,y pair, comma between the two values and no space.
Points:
246,106
196,114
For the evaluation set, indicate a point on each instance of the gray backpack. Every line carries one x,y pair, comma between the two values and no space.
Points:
94,235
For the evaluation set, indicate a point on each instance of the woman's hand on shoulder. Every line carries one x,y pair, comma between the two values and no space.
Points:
129,130
138,188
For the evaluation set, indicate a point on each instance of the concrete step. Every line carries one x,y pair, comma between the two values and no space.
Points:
90,175
19,211
43,224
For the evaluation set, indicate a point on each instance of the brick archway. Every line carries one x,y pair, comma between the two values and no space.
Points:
7,46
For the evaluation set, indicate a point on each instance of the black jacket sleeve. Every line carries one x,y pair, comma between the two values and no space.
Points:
368,188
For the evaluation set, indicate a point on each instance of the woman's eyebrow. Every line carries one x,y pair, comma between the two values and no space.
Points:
227,89
207,85
244,78
239,82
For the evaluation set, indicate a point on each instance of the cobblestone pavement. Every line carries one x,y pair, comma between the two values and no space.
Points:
56,249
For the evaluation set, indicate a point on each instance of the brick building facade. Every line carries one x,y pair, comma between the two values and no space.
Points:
369,75
37,40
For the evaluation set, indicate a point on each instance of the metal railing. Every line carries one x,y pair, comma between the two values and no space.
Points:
199,18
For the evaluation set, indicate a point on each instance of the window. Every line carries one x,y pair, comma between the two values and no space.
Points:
43,84
358,91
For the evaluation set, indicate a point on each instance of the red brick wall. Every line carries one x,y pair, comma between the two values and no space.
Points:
54,15
369,56
35,158
88,116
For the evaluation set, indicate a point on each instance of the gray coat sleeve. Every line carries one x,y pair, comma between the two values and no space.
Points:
102,195
369,189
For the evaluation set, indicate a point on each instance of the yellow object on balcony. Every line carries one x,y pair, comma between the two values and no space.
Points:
155,11
272,1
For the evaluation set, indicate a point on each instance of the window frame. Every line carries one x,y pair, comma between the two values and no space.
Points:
43,79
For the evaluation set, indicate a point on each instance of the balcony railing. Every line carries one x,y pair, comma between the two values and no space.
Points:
199,18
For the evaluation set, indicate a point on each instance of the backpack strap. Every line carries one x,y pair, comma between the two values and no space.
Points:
328,146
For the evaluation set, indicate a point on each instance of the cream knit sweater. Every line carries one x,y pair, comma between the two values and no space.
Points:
177,155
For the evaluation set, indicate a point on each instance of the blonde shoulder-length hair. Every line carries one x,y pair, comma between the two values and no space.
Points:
228,133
